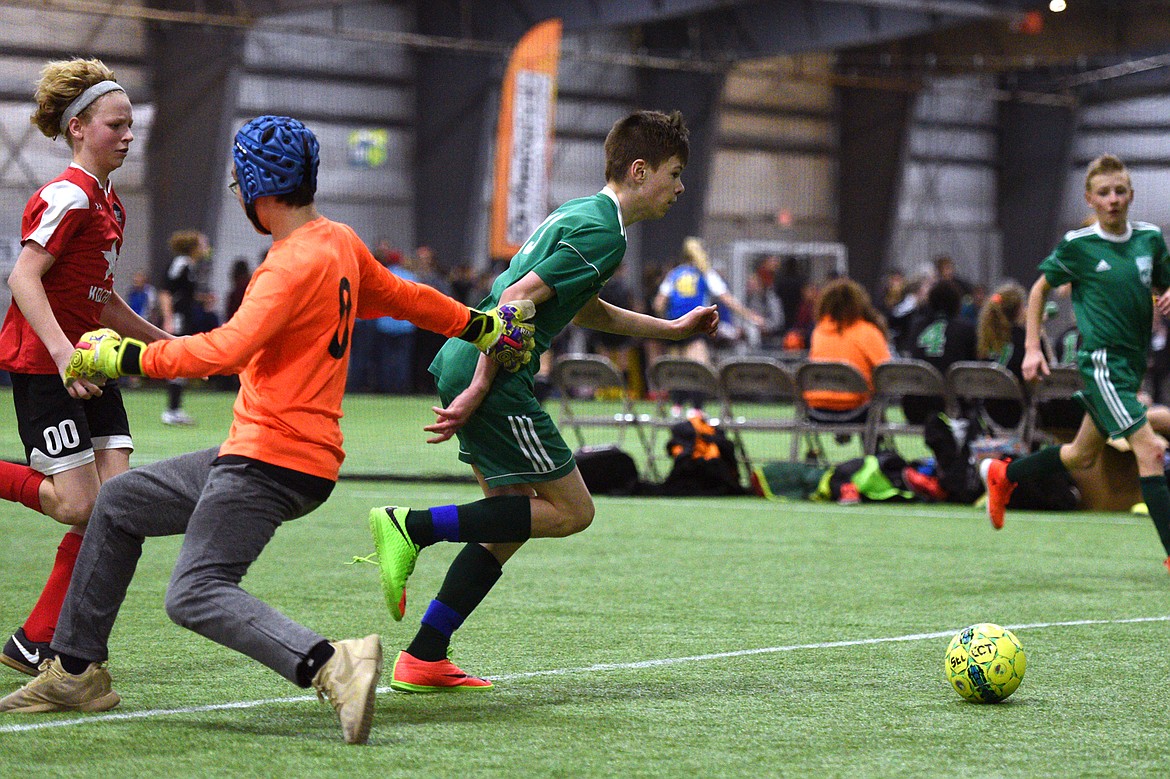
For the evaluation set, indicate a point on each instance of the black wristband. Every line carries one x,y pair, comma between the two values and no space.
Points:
477,325
130,358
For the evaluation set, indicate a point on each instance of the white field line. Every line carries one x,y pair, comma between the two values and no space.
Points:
597,668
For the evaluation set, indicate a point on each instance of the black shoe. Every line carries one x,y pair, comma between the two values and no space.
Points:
24,655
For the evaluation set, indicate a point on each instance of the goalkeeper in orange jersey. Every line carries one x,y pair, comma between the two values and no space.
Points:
289,341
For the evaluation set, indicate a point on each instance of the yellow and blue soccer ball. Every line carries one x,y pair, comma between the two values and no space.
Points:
985,663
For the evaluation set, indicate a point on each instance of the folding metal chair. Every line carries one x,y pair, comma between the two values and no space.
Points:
979,380
581,376
1060,384
760,380
668,375
834,377
893,381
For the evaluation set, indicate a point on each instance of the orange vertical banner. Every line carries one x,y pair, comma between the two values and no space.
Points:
524,139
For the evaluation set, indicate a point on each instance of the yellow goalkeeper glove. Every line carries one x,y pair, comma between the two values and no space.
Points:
505,334
103,354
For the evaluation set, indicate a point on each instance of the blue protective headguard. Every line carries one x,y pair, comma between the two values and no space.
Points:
274,155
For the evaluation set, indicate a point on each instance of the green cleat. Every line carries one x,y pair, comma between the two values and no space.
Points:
396,554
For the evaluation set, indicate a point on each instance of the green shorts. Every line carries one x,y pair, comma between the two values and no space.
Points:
512,441
1110,394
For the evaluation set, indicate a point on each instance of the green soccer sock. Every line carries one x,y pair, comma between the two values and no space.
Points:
1044,462
1157,497
502,519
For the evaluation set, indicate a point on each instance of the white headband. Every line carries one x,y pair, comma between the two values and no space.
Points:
86,98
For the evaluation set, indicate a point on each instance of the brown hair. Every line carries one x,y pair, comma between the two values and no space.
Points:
645,135
62,82
185,241
997,317
1106,163
844,301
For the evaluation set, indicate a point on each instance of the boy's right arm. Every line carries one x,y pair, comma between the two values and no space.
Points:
28,292
1034,365
455,415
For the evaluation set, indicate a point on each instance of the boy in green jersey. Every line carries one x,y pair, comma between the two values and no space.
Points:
1114,265
532,486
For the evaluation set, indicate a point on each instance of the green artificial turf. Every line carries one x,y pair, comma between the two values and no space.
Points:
674,638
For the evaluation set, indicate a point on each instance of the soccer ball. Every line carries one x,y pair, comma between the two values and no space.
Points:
985,663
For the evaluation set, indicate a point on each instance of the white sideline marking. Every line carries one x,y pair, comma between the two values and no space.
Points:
583,669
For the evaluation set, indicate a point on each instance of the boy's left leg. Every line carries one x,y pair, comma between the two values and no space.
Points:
511,514
423,666
237,514
1149,451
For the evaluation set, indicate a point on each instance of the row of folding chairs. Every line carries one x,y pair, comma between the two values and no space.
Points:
760,394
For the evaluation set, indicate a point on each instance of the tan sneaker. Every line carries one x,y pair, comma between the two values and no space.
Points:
350,681
56,690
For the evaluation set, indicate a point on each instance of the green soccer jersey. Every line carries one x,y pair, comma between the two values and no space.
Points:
575,251
1113,278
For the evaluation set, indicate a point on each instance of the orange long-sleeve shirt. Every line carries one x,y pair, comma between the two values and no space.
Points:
290,339
860,344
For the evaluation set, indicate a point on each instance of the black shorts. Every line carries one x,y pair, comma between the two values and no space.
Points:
60,432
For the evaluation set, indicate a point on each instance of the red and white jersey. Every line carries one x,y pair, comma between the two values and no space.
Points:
80,224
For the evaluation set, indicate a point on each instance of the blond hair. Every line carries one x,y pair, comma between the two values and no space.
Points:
997,317
185,241
1106,163
694,253
62,82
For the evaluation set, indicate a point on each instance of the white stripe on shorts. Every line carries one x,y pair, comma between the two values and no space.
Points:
1108,391
525,434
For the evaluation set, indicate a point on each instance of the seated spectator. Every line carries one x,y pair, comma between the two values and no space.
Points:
1001,340
907,316
944,338
849,329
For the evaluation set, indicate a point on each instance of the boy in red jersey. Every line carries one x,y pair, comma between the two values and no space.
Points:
289,341
75,437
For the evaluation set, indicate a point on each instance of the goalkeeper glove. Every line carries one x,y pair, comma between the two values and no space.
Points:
103,354
505,334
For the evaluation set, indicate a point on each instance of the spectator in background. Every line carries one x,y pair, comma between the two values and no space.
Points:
941,340
893,290
973,303
178,303
789,284
693,283
944,268
426,344
906,318
849,329
761,297
394,338
241,275
463,283
142,297
1001,340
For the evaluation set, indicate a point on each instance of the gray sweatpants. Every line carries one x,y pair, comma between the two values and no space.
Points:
227,514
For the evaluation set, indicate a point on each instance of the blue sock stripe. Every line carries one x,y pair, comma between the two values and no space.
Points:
442,618
446,522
